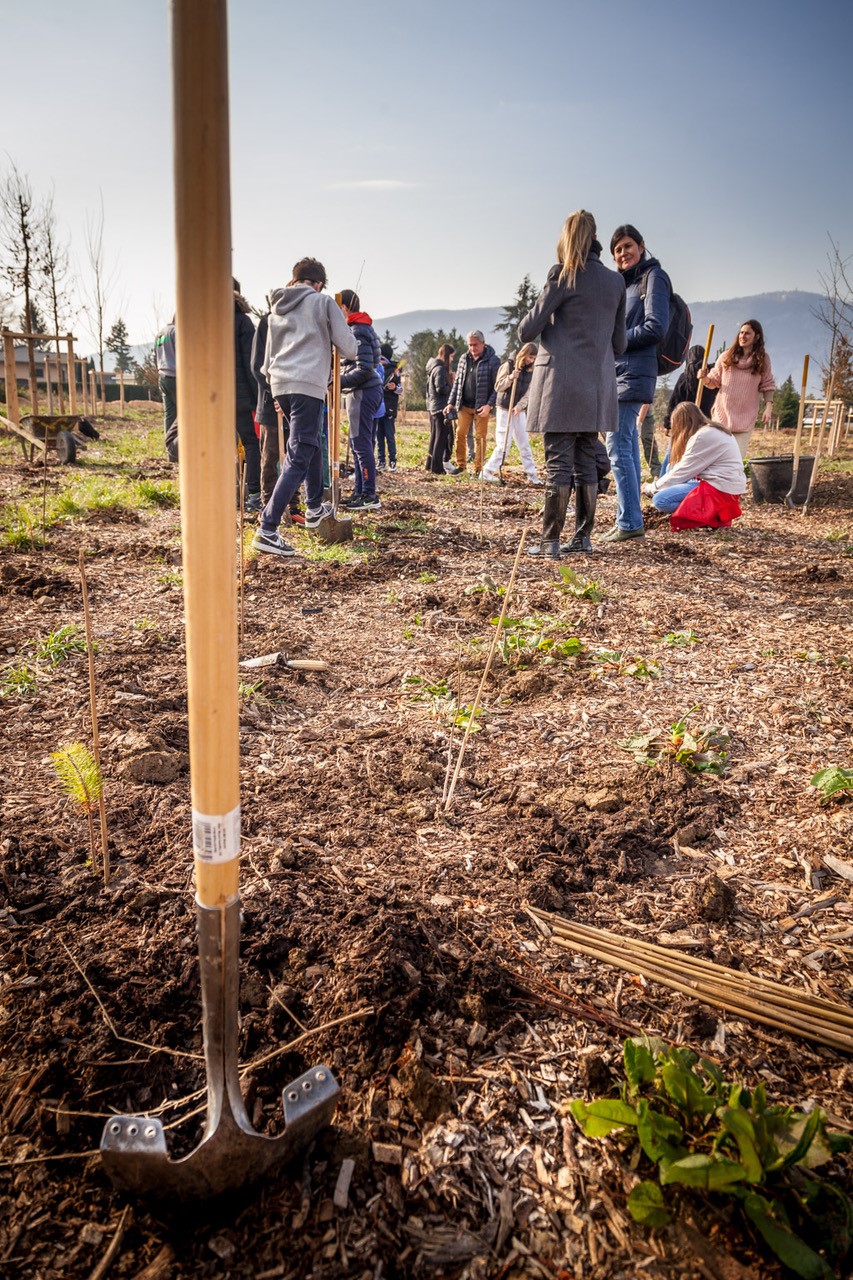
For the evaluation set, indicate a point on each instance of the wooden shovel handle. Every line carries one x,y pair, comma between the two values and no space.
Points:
206,416
699,387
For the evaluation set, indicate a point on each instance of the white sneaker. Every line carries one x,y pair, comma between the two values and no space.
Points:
316,515
272,543
491,477
535,480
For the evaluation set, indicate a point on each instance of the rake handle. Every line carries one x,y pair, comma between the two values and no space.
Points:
699,386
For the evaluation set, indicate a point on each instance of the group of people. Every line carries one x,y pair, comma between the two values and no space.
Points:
587,367
282,372
595,371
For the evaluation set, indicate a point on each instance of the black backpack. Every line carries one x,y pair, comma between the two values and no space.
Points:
672,348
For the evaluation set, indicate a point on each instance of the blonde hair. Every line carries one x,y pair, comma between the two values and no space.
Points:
529,349
574,245
687,418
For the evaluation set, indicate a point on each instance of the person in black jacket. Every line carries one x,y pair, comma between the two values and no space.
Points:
646,320
267,418
363,385
684,391
245,398
473,397
439,377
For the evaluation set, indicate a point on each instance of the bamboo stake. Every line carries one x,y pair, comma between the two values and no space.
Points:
798,438
33,380
93,710
826,407
699,387
708,967
773,1005
719,997
475,707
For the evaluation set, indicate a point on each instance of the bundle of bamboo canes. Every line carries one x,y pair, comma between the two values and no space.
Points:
758,999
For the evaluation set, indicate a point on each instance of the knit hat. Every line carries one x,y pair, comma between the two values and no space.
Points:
387,350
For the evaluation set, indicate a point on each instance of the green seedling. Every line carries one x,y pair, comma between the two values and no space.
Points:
698,750
19,682
60,644
641,669
143,624
704,1135
576,585
832,781
681,639
427,577
836,535
809,655
522,638
441,702
81,780
171,578
407,524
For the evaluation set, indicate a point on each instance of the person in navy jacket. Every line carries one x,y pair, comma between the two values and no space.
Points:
646,322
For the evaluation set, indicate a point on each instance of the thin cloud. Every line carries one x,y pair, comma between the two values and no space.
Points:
373,184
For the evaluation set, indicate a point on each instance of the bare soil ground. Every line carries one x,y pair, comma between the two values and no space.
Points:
392,932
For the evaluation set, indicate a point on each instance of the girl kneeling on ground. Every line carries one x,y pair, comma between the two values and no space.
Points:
704,475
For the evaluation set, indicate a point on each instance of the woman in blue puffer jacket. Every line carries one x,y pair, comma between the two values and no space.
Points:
646,321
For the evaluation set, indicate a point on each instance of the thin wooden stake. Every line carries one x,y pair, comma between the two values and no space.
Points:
798,439
93,709
241,480
473,712
826,408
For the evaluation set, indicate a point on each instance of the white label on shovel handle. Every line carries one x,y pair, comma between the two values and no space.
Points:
216,837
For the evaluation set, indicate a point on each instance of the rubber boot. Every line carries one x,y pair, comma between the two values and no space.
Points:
586,497
553,519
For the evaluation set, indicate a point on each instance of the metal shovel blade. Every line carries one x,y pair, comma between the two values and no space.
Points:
231,1154
331,529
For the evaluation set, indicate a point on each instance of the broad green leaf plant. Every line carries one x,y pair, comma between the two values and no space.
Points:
718,1138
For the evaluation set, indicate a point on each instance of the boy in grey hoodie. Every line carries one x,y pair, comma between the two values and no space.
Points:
304,325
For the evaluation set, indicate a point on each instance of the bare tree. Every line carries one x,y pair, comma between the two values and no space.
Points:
21,240
100,282
835,312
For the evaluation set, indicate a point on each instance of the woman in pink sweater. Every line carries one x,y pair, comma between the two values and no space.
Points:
742,375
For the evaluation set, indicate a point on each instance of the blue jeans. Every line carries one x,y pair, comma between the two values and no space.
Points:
303,458
386,434
361,406
623,450
670,499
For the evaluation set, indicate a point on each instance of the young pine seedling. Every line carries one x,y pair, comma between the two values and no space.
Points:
81,779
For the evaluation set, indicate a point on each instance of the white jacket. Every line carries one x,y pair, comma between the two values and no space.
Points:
710,455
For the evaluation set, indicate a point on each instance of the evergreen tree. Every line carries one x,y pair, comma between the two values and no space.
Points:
118,344
786,404
390,339
525,296
145,372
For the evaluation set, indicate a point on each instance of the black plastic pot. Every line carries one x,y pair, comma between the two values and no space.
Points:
771,478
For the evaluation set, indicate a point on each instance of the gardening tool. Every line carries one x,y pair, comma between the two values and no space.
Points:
827,404
331,528
508,436
230,1154
699,387
798,438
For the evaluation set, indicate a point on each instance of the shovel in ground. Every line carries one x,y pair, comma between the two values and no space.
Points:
230,1154
508,435
331,528
798,438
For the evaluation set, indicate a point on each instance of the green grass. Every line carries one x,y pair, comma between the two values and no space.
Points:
60,645
158,493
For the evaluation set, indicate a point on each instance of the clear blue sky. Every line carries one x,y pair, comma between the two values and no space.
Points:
444,143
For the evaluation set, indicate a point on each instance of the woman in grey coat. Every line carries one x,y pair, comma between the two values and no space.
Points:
579,322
